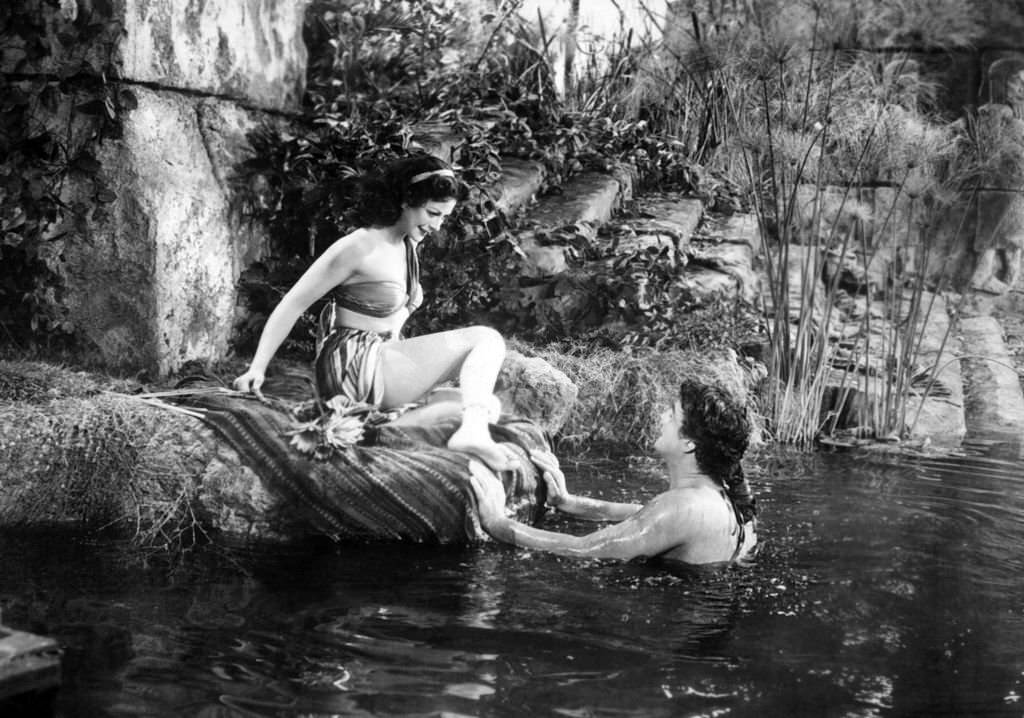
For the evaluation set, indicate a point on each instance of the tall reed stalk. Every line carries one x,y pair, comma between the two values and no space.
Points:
776,98
806,246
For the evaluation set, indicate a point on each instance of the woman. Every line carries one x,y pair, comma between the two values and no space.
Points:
706,515
372,275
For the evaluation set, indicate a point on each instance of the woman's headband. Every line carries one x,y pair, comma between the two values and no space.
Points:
433,173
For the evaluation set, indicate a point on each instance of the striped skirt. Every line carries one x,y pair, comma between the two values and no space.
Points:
347,363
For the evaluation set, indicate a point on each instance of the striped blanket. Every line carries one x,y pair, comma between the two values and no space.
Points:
399,484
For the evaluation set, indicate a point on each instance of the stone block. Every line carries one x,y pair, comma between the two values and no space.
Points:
998,240
542,260
436,138
707,284
737,228
994,403
154,285
520,182
736,260
676,215
938,415
587,197
532,387
248,50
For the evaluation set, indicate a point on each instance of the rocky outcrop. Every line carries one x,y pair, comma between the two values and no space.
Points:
151,266
154,286
531,387
77,451
250,51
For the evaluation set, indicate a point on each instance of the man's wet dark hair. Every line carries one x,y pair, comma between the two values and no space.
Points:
719,427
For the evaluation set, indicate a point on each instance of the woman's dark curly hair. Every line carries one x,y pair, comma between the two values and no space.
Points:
719,427
376,199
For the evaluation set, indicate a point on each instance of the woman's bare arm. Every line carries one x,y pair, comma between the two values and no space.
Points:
330,269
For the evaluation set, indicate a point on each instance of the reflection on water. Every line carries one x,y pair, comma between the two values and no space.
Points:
884,586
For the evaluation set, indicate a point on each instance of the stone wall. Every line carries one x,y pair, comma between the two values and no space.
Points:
150,281
155,285
984,238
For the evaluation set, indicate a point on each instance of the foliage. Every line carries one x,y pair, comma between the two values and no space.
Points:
816,132
380,76
831,63
50,125
335,430
623,393
616,295
989,148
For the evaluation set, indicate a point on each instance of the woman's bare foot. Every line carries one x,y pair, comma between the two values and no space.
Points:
477,441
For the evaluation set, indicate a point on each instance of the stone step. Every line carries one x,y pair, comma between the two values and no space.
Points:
721,249
722,253
994,402
938,417
585,202
520,181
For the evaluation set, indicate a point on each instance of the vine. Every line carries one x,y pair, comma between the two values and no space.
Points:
60,102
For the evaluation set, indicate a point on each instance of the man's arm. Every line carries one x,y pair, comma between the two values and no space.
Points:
663,524
586,507
583,507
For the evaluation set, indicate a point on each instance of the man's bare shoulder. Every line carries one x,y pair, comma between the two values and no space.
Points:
697,496
684,505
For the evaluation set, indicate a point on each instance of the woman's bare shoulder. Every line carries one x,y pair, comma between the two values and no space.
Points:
351,247
361,237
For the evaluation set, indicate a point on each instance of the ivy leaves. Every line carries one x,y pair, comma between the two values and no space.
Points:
58,102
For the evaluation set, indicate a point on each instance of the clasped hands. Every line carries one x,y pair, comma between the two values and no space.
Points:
490,492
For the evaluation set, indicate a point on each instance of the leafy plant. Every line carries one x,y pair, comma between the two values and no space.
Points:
378,71
50,125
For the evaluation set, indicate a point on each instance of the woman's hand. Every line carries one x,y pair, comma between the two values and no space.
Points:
490,493
251,381
553,477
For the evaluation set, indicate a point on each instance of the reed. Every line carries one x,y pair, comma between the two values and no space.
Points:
856,136
845,162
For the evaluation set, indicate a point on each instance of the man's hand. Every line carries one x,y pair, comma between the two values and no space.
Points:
490,493
552,474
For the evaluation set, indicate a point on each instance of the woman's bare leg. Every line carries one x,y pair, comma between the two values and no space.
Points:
412,367
447,406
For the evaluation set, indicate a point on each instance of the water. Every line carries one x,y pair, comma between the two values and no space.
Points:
884,587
